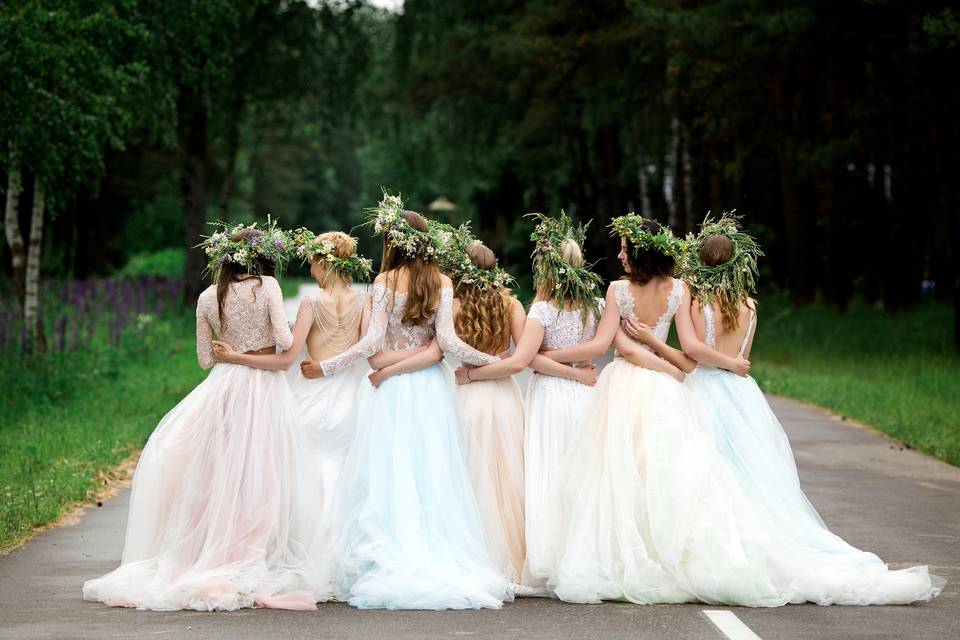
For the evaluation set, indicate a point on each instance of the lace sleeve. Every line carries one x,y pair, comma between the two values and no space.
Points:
204,336
370,343
447,335
278,317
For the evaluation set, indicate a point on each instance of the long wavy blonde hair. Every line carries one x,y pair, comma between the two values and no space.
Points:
423,291
483,321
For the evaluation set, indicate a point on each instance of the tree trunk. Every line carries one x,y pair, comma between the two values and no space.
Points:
11,224
193,187
645,207
687,184
31,304
670,186
230,175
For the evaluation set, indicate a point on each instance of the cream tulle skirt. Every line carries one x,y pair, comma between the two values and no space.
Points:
224,508
493,438
552,425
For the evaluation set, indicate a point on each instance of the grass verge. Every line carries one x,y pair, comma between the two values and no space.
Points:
898,373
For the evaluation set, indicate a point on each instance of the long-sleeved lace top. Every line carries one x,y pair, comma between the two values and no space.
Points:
253,314
562,329
627,307
387,331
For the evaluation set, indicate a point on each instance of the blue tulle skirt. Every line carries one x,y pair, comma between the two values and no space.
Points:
412,536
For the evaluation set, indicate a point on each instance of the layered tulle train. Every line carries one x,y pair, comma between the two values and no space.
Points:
815,565
411,536
224,508
493,436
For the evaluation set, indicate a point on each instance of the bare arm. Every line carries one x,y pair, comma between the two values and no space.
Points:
639,356
606,331
695,348
526,350
587,373
423,358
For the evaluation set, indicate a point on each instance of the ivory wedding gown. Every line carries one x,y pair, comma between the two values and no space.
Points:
659,515
224,505
552,425
411,533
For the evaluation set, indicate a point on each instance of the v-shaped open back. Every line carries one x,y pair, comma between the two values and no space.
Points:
710,329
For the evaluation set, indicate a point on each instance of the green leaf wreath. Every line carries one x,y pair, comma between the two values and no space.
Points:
450,245
734,279
308,247
387,219
579,285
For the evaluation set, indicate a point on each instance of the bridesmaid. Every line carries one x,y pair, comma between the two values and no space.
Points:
486,316
412,536
222,510
564,313
721,272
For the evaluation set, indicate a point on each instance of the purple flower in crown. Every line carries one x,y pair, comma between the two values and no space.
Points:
278,244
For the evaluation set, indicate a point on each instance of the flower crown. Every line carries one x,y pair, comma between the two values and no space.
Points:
450,244
387,219
271,244
734,279
577,284
663,241
308,247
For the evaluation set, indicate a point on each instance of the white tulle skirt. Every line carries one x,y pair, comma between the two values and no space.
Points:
412,536
327,408
552,425
816,565
224,506
493,436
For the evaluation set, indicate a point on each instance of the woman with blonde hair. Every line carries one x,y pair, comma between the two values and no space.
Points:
411,533
564,313
486,316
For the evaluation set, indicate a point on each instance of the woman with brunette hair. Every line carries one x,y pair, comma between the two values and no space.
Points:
716,324
222,511
411,536
564,313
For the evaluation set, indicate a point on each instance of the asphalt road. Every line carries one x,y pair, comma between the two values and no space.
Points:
897,503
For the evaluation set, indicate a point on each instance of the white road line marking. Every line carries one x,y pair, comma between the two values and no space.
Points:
730,625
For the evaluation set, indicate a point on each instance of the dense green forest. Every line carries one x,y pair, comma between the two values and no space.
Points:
832,127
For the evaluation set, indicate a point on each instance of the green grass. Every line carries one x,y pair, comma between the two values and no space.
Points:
58,441
898,373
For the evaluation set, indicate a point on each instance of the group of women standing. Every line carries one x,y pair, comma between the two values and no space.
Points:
668,479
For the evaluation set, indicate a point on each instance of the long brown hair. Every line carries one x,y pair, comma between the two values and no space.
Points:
716,250
231,272
483,321
423,290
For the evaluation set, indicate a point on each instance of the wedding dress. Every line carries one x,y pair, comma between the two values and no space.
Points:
411,534
552,426
224,505
752,441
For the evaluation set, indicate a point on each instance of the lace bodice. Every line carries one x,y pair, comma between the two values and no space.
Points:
253,314
388,331
627,306
710,330
562,329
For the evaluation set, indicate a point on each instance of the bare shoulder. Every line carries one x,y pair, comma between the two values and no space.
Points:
445,281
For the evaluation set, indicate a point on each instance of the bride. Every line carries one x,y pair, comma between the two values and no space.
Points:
222,511
716,323
412,536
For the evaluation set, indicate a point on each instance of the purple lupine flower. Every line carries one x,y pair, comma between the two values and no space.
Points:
62,332
278,244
